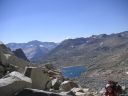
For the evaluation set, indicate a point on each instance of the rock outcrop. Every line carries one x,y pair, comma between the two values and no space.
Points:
14,82
9,62
40,79
19,53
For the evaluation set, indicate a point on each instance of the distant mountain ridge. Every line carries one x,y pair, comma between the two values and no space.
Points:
104,56
88,51
34,50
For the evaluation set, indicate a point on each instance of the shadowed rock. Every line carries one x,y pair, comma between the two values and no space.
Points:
19,53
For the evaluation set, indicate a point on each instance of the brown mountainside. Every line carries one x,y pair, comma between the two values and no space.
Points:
93,52
105,56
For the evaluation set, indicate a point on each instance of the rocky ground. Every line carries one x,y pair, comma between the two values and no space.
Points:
46,81
98,78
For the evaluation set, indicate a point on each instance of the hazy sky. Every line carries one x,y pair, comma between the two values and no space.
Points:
56,20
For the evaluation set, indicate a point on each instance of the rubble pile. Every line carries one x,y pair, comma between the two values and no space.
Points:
46,81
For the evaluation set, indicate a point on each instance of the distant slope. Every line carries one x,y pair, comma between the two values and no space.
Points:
105,56
93,52
34,50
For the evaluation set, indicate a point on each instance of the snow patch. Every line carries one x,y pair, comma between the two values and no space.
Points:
41,45
31,45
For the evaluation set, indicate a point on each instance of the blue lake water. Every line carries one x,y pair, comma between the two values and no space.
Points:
73,71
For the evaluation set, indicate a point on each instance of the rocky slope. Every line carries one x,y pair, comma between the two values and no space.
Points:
34,50
46,81
9,62
93,52
105,56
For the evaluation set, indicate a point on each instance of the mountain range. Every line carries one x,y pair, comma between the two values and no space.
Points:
93,52
34,50
104,56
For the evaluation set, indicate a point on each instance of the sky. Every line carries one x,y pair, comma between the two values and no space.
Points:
56,20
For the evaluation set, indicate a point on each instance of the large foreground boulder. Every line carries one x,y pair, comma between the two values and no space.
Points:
13,83
68,85
35,92
3,63
40,78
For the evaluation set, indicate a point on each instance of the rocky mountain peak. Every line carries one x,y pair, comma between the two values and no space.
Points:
19,53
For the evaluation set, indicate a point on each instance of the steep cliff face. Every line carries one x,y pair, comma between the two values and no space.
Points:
19,53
